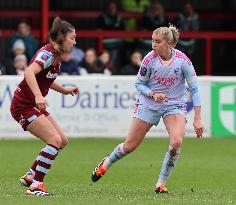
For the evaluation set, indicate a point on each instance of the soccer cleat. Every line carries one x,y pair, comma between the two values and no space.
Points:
161,190
99,171
26,181
39,190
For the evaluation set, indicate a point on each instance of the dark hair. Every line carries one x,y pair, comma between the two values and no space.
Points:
107,3
59,30
22,21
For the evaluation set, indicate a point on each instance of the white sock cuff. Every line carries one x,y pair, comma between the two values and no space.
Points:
32,171
160,182
122,148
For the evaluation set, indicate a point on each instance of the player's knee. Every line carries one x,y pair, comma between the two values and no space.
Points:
56,141
64,141
176,142
129,147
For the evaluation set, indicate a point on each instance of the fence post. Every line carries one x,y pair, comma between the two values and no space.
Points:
100,42
45,20
208,57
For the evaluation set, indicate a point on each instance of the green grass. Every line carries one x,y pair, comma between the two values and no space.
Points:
205,173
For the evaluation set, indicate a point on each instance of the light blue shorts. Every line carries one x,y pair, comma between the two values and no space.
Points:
153,116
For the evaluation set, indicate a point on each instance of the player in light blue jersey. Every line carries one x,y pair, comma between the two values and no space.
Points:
161,93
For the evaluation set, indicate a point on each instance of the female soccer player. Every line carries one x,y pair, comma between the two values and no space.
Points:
29,104
161,93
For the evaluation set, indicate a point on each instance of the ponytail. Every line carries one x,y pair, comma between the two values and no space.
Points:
59,30
175,34
171,34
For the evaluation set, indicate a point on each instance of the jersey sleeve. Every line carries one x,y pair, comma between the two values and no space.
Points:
144,72
191,79
142,77
44,59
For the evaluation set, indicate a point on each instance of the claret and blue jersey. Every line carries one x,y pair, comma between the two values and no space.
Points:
168,78
50,70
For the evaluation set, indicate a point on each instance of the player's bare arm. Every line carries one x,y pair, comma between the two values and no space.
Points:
197,123
30,78
64,90
158,97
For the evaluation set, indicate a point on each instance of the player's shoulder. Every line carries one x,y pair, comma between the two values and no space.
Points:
149,57
44,56
47,50
182,57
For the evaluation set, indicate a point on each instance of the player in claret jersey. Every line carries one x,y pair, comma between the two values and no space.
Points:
29,104
161,93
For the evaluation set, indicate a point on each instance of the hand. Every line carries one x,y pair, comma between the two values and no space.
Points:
71,91
198,127
41,102
159,97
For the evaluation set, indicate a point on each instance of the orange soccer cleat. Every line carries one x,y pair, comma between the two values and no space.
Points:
161,190
38,190
98,171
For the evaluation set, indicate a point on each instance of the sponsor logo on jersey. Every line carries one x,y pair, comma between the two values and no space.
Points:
51,75
166,81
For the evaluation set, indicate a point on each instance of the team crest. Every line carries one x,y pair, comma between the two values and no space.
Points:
176,70
22,120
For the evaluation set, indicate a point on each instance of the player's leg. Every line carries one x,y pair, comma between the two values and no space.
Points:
175,125
42,128
137,132
26,180
64,138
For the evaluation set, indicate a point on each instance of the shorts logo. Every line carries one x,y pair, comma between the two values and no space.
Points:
22,120
18,89
143,71
44,57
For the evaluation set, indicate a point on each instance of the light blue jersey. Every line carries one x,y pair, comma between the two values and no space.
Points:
154,75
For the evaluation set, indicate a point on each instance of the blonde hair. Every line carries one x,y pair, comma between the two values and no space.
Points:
170,34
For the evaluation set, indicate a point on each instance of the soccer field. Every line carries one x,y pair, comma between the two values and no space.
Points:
205,173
